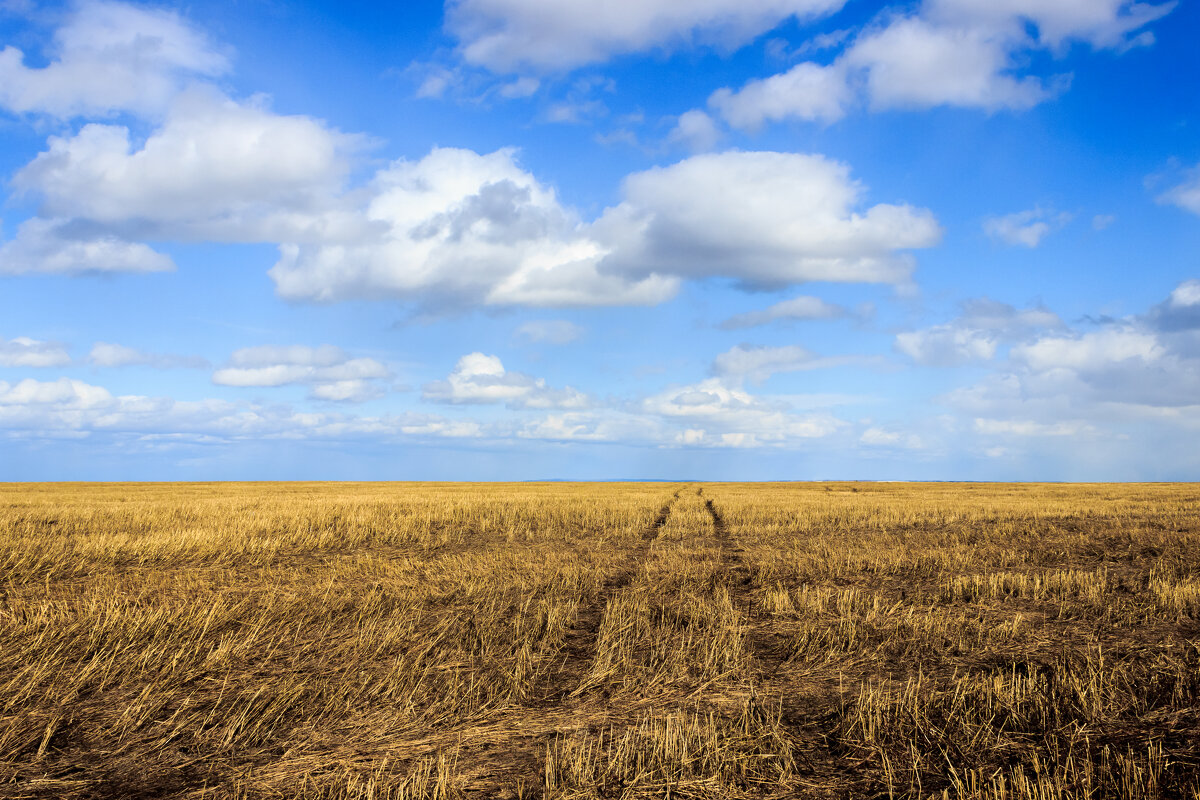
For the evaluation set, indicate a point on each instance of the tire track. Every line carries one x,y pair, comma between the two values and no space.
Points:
804,713
732,562
767,653
509,749
579,644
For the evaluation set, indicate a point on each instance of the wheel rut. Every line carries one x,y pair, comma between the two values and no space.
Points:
579,645
732,562
518,736
803,712
767,655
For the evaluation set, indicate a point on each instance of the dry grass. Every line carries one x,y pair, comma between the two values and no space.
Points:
389,641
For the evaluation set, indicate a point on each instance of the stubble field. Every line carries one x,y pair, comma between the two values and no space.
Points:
387,641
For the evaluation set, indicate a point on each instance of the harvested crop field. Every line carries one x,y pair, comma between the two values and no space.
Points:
386,641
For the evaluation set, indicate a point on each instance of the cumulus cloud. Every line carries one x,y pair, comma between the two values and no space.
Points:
947,345
696,131
1122,392
468,229
1025,228
1180,312
67,248
458,227
329,372
110,57
976,334
807,91
1090,351
965,53
215,169
713,413
765,219
479,378
549,331
797,308
1141,370
25,352
454,229
512,35
912,63
107,354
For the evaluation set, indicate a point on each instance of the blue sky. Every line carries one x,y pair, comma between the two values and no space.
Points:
523,239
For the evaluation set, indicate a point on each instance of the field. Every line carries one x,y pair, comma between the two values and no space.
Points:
388,641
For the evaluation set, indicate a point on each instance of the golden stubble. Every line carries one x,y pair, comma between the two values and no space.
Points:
385,640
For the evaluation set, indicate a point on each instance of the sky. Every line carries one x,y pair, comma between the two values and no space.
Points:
572,239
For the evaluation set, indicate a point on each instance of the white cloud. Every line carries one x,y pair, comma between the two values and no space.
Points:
1179,316
1185,194
600,425
463,228
713,413
355,390
435,79
806,91
1025,427
1103,221
454,229
549,331
1186,294
512,35
763,218
63,392
110,57
479,378
947,345
107,354
798,308
521,87
709,414
1101,23
759,363
696,131
25,352
573,112
62,247
1123,393
912,63
215,169
964,53
976,334
1025,228
1091,351
329,372
883,437
72,406
1121,377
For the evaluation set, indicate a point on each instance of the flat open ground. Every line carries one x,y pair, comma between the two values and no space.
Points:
599,640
